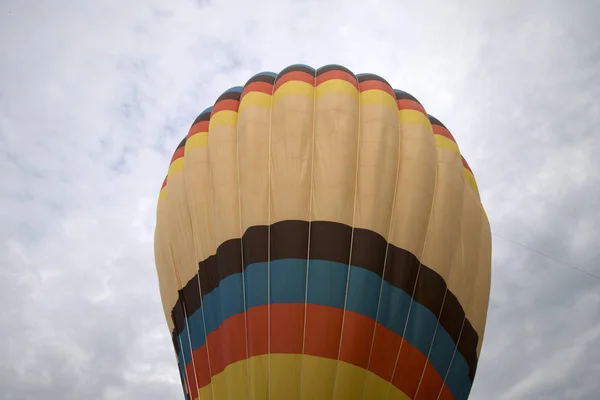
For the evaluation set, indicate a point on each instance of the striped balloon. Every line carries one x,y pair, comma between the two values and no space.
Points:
320,236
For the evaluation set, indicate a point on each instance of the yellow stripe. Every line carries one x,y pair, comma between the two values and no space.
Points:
255,99
225,117
376,96
413,117
176,166
470,178
337,86
445,143
199,139
293,87
162,194
317,380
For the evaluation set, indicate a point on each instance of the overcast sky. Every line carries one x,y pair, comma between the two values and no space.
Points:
95,96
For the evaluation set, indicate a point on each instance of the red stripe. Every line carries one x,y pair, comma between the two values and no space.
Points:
337,74
178,154
465,164
323,329
409,369
202,366
440,130
431,384
410,105
295,76
358,330
377,85
287,324
164,183
446,394
258,328
262,87
385,350
198,127
227,345
225,105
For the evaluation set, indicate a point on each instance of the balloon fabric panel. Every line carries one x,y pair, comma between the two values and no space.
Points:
319,235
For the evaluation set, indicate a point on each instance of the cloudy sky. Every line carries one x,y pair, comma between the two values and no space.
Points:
95,96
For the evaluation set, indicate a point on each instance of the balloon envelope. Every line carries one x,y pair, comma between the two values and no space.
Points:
320,236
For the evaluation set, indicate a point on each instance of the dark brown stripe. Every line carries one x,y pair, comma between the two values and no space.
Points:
181,144
204,116
295,68
333,67
331,241
401,95
435,121
451,313
372,77
467,346
233,95
261,78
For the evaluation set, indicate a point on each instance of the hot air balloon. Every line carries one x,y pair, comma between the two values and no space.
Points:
320,236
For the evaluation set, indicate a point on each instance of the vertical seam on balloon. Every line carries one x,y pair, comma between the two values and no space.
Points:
461,331
210,177
465,310
237,146
269,244
185,324
418,269
197,259
205,334
358,136
388,240
461,261
312,160
431,346
186,384
452,359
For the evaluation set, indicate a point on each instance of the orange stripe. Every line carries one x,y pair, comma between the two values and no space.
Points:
440,130
227,344
225,105
337,74
164,183
377,85
406,104
178,154
295,76
198,127
258,86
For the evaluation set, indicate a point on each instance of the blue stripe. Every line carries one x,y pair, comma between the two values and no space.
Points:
236,89
207,110
299,65
327,286
267,73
